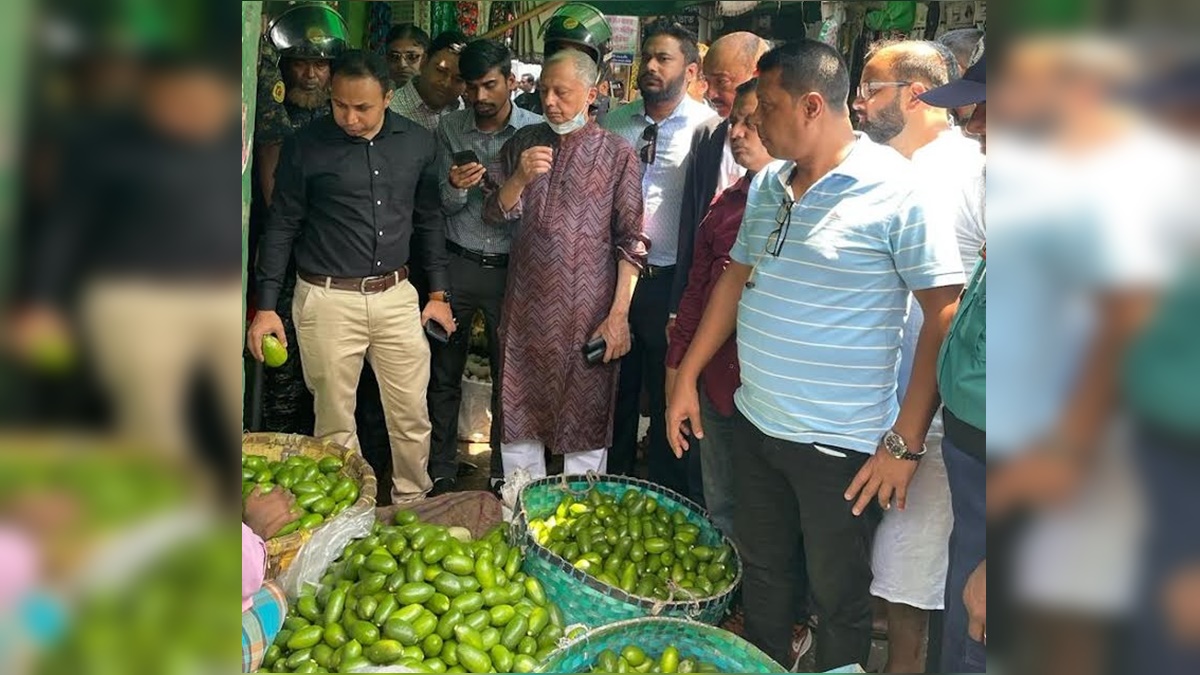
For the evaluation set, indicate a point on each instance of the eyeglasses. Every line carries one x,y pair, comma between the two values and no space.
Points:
868,89
408,57
783,221
650,150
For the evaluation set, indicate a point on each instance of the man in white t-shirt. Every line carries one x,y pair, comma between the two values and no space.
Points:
910,548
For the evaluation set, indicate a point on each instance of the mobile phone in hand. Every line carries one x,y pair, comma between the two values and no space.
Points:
435,332
465,157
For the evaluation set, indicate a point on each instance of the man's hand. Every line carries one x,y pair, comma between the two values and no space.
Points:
975,598
615,331
439,311
266,322
41,335
534,162
683,414
1040,478
672,374
466,176
267,513
882,477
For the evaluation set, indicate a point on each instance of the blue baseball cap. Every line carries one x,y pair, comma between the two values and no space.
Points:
971,89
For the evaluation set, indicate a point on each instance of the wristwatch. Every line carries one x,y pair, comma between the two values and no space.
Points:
895,445
445,296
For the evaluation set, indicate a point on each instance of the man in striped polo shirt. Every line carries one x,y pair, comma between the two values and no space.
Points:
831,244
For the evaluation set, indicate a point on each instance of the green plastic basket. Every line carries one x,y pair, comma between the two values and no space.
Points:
728,652
587,600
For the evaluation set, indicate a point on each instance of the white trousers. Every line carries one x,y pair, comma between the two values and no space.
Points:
531,456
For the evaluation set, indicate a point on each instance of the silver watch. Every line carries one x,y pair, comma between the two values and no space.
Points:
898,448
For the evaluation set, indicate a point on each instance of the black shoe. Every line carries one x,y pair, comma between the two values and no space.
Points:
443,485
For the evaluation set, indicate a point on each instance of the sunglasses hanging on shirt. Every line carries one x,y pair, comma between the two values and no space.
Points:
650,150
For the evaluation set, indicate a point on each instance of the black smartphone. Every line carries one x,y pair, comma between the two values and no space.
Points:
465,157
435,332
593,351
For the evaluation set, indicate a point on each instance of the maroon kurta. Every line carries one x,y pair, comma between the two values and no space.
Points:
572,225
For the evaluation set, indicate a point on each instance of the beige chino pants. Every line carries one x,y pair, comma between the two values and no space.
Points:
336,330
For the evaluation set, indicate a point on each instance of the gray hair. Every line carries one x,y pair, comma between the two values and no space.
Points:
585,68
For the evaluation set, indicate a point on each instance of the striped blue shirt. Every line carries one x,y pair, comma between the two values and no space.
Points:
464,208
662,181
819,330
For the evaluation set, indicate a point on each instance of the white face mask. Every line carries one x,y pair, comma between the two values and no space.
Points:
574,124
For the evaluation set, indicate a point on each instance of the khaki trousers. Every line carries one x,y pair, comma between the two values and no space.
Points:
150,338
336,330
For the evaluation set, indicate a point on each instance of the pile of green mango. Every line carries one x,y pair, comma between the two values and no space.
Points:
321,491
633,659
424,597
636,544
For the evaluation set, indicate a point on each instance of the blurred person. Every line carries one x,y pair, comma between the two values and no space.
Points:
264,605
529,99
598,111
910,546
406,48
569,194
478,251
660,126
721,376
698,88
349,211
438,88
825,442
730,63
1092,239
137,244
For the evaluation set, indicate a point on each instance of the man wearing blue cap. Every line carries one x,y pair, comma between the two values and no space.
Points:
962,383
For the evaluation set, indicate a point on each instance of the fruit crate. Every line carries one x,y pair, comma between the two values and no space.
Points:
583,598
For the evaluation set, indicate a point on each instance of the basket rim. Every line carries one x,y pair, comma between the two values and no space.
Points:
521,521
561,652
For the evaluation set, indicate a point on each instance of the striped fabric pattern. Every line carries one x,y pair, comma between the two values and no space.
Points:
819,330
662,181
464,208
260,625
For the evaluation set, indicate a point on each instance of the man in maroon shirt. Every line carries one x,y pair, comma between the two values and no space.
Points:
722,377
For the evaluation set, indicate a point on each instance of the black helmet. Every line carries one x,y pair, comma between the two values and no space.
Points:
577,25
312,31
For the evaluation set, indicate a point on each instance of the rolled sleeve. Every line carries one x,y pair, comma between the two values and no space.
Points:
631,243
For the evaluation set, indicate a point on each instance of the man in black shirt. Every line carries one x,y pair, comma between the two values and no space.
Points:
350,191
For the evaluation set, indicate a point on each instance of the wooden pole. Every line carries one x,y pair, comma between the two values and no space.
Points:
527,16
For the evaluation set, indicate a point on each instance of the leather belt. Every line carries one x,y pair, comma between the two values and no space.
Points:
485,260
652,271
364,285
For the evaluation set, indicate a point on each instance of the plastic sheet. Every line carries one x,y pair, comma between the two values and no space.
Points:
475,412
324,547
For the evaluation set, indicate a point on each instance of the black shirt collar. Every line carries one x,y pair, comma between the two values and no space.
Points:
393,123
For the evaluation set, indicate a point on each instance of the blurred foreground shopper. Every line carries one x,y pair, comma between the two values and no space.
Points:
136,233
570,193
908,560
819,306
264,605
478,251
350,191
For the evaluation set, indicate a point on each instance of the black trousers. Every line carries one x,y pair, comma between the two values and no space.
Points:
646,364
472,287
788,493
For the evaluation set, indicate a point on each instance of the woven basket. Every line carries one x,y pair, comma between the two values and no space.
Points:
728,652
282,550
584,598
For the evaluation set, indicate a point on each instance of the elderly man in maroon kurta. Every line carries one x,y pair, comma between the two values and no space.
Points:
573,193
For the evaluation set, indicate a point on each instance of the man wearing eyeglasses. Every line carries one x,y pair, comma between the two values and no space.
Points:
660,126
832,242
910,549
406,48
438,88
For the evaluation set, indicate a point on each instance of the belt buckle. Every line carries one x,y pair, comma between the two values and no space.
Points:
362,285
